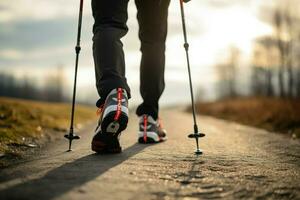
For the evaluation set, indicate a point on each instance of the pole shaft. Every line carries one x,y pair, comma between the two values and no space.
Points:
77,50
74,95
186,46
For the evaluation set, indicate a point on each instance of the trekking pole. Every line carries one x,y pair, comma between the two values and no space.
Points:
71,136
196,133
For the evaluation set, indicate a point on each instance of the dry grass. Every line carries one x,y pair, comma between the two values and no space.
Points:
273,114
24,122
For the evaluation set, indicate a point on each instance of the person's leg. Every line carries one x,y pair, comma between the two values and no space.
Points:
109,27
152,17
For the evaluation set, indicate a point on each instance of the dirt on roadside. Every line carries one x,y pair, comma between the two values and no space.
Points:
27,125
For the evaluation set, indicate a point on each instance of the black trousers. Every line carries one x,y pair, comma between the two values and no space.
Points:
109,27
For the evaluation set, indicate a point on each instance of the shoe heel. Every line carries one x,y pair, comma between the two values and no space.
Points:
110,125
148,140
113,127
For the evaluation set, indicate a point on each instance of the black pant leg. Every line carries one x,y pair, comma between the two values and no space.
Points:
109,27
152,17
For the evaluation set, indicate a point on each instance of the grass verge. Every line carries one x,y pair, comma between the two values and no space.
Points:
28,124
273,114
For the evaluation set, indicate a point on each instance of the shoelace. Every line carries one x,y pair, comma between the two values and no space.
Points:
98,113
99,110
160,123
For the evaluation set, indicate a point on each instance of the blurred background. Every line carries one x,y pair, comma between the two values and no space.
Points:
238,48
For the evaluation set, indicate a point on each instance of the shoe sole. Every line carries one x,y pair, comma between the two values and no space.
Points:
110,125
108,144
108,141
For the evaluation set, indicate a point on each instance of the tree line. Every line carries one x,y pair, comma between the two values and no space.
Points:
26,87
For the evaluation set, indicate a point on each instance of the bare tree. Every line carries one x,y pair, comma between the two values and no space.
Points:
265,61
285,19
278,25
27,86
227,74
54,82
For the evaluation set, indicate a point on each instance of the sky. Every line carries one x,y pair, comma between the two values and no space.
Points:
37,36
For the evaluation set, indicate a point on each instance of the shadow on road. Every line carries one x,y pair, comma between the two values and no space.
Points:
68,176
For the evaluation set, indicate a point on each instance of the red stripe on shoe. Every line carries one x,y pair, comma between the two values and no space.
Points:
160,127
145,128
119,106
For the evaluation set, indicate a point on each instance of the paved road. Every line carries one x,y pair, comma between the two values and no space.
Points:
239,162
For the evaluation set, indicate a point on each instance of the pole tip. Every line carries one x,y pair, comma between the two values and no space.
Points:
198,152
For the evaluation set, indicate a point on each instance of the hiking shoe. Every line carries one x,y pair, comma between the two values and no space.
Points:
150,130
112,121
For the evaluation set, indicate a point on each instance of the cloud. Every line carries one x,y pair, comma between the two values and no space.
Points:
10,54
3,8
225,3
38,34
43,42
14,10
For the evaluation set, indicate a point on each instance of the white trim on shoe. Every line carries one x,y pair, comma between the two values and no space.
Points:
149,119
113,108
152,135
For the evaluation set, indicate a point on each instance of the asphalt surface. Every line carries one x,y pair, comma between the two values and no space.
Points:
239,162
